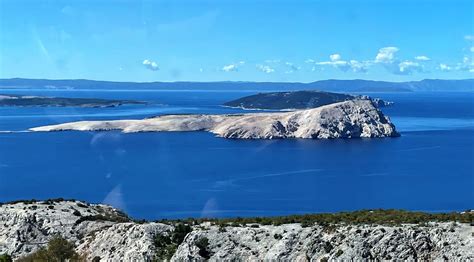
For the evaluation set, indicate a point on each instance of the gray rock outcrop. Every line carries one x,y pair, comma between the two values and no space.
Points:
102,232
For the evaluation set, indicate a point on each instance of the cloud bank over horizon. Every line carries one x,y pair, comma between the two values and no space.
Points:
386,57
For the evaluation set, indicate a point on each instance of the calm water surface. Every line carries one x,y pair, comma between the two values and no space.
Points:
168,175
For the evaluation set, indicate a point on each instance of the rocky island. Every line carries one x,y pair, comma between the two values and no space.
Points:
42,101
81,231
349,119
297,100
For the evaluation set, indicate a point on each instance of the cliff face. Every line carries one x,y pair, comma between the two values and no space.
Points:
96,230
99,231
349,119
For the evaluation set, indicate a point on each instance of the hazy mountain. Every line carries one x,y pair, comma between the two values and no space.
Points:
325,85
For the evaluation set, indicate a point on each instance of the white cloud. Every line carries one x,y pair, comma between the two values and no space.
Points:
335,57
444,67
150,65
386,54
358,67
337,62
265,69
422,58
466,65
386,57
471,49
229,68
309,61
408,67
233,67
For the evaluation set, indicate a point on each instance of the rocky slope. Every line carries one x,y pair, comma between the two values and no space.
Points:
292,242
349,119
99,231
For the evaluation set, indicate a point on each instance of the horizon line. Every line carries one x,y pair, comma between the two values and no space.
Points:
231,81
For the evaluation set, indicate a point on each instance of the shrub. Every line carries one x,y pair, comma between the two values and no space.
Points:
180,232
277,236
58,249
5,258
166,245
203,245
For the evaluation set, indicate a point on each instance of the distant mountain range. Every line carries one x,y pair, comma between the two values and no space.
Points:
324,85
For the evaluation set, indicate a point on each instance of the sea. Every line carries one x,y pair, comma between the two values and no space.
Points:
430,167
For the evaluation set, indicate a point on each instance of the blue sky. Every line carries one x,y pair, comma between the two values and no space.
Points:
197,40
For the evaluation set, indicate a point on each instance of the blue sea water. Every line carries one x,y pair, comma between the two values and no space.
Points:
194,174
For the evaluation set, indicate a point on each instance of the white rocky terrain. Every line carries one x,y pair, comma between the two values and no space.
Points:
102,233
292,242
349,119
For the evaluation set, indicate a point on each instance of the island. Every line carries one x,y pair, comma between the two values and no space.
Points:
65,230
297,100
43,101
349,119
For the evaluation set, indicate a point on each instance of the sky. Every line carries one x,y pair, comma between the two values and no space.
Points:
296,41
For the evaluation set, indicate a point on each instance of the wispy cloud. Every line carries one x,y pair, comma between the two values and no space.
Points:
336,61
233,67
272,61
151,65
265,68
291,67
422,58
469,37
467,64
408,67
444,67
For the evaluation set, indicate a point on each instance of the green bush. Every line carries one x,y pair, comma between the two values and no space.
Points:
166,245
180,232
5,258
203,245
58,250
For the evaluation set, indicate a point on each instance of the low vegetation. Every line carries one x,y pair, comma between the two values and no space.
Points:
58,250
112,217
203,245
5,258
166,245
379,216
49,201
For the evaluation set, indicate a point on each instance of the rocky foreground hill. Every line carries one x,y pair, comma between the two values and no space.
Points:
349,119
102,233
